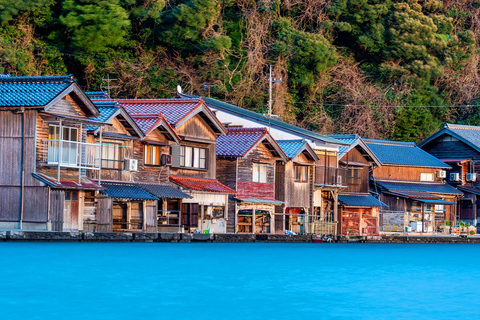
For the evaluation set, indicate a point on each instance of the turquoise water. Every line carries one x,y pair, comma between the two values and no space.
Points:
238,281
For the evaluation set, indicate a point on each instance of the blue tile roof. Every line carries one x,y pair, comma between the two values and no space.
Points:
259,118
106,111
126,191
237,142
97,94
403,154
164,191
418,187
291,147
345,138
31,91
352,200
468,134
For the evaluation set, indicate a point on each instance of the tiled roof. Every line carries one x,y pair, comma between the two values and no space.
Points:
106,111
469,189
126,191
237,142
421,187
360,200
31,91
259,118
345,138
291,147
173,110
98,94
67,181
468,134
201,184
403,154
147,123
164,191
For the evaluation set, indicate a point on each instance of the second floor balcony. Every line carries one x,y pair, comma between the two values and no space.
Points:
330,176
72,154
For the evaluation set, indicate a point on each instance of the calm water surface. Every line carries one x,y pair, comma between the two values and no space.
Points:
239,281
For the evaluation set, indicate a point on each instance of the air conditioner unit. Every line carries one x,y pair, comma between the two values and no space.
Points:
442,174
454,176
166,160
471,177
131,164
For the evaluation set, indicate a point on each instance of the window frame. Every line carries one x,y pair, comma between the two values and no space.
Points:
259,172
300,173
117,161
149,161
196,157
423,176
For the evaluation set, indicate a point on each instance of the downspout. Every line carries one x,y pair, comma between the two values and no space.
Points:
22,171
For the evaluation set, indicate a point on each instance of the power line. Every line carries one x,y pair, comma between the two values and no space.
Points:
347,105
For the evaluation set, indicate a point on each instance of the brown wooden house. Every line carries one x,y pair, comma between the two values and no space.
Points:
134,178
459,146
411,182
246,162
192,165
359,211
45,153
294,185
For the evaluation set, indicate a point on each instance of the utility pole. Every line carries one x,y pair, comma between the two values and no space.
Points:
108,86
271,81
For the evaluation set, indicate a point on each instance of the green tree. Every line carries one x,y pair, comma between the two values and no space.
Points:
95,26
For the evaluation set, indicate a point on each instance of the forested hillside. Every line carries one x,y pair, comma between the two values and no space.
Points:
347,65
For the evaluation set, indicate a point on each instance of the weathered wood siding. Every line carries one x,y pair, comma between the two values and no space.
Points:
394,203
150,173
227,172
150,216
67,106
57,206
104,213
197,133
248,189
360,185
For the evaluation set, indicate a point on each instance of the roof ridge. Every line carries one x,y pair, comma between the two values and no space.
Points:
461,126
291,140
175,100
246,130
389,142
39,79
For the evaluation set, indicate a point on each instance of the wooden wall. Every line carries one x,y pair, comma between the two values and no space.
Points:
67,106
403,173
150,173
450,149
364,173
197,133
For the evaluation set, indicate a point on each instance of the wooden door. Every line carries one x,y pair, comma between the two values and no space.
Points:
70,213
190,215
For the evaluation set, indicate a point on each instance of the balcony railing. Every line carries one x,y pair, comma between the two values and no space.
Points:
330,176
72,154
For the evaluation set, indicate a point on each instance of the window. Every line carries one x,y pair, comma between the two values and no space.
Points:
439,208
426,176
354,176
260,172
301,174
152,155
69,145
193,157
111,157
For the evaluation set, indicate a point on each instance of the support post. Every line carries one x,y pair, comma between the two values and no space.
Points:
80,156
60,149
253,221
100,160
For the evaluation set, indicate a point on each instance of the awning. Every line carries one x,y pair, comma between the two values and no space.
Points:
434,201
202,184
354,200
259,201
126,191
469,190
164,191
440,188
67,181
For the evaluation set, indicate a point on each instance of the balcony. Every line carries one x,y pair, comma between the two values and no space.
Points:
330,176
72,154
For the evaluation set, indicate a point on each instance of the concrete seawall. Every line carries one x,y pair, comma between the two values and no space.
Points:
18,235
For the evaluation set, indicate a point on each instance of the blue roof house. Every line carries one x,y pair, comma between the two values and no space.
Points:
412,181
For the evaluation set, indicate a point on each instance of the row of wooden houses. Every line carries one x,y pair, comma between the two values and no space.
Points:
81,161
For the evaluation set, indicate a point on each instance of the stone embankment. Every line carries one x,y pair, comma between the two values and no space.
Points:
16,235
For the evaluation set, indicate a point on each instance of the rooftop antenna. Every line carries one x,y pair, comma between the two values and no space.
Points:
108,86
206,87
271,81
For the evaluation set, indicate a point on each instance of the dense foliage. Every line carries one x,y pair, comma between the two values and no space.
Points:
381,68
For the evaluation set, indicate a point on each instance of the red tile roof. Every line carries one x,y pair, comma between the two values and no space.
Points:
201,184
